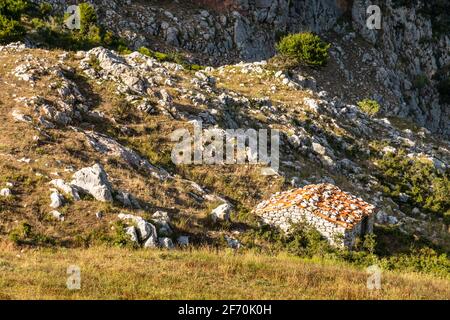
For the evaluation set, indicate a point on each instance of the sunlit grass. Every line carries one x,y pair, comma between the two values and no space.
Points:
109,273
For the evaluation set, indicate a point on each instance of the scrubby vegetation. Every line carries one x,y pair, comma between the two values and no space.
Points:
426,187
52,31
24,234
442,77
305,48
13,9
370,107
10,15
153,54
169,57
416,256
44,26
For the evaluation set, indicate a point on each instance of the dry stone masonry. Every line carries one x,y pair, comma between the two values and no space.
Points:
337,215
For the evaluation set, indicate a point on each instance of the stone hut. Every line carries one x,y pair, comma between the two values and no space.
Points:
337,215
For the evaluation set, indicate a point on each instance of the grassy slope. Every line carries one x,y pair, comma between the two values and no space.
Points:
109,273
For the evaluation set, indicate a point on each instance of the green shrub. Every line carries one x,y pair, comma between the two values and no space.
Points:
38,24
20,233
196,67
13,9
370,107
120,237
122,49
10,14
420,81
52,32
145,51
10,30
88,17
161,57
424,260
447,217
305,48
427,187
45,9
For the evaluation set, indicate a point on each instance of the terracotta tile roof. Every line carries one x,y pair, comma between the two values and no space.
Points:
324,200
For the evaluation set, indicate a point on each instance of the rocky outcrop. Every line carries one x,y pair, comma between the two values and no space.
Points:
94,181
68,189
112,148
408,47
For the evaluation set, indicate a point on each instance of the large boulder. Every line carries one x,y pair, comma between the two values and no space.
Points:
94,181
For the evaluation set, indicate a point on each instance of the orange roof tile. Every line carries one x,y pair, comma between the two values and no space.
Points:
324,200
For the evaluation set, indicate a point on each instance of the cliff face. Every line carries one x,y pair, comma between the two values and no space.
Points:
404,55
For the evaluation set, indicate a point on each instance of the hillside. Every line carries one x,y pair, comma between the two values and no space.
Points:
87,169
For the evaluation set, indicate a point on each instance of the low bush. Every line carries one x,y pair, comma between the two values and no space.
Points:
161,57
10,30
10,15
424,260
13,9
427,187
370,107
305,48
24,234
45,9
421,81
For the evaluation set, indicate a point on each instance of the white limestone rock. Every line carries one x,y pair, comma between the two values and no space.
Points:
94,181
56,200
68,189
144,229
131,231
232,243
221,213
166,243
161,218
183,241
5,192
57,215
151,242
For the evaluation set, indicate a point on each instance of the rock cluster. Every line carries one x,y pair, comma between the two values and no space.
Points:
248,29
146,234
140,231
108,146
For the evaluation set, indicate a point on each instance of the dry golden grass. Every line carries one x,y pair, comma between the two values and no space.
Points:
259,86
112,273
